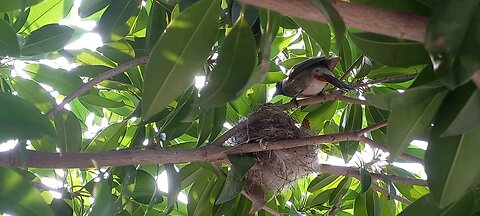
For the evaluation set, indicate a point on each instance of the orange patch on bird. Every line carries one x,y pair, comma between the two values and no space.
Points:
319,78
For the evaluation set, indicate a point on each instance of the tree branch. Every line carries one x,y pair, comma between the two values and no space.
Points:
90,84
171,155
405,77
356,15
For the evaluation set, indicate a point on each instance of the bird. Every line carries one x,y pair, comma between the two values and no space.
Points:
309,78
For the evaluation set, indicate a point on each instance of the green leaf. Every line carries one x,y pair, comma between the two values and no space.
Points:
102,193
365,179
19,197
60,80
452,176
60,207
467,118
334,18
365,68
321,181
97,100
8,5
34,93
235,64
322,197
22,120
392,100
426,206
118,51
320,32
90,7
279,44
47,12
340,190
352,119
8,40
201,195
112,25
409,121
179,55
157,23
368,204
145,186
317,117
48,38
448,25
219,119
235,178
205,125
69,132
391,51
174,185
108,139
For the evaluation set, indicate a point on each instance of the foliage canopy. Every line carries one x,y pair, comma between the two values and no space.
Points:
157,49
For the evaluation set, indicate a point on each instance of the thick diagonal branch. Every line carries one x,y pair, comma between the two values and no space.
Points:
356,15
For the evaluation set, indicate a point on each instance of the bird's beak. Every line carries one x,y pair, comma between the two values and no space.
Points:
337,83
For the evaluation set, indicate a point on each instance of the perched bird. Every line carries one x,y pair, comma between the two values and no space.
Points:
309,78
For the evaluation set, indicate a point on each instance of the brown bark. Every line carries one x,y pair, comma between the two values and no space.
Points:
361,16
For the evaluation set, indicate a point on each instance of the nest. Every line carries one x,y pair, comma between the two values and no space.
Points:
274,170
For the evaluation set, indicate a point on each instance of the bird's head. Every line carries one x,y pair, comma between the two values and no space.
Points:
321,70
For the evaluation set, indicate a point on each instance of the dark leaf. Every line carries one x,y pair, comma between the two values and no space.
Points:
179,55
391,51
8,40
365,179
69,132
235,64
22,120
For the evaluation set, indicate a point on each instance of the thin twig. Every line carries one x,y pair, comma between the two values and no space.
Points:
102,77
373,127
350,69
404,77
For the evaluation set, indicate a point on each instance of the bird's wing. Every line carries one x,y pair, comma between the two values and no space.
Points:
323,61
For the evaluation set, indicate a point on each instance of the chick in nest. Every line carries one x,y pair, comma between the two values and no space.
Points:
276,169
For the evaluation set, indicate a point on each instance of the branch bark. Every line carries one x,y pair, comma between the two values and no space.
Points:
90,84
209,153
356,15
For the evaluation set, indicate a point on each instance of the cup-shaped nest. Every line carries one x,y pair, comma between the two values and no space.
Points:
276,169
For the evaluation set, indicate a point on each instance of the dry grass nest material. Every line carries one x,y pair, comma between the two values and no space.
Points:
276,169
